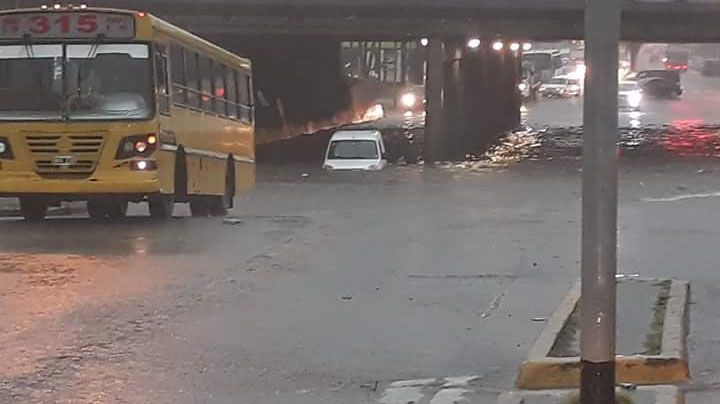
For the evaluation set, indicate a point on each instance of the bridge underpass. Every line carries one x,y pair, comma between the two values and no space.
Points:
295,46
472,93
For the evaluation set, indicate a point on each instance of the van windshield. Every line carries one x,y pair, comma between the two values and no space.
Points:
353,150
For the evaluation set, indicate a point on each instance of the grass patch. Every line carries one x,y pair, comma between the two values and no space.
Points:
653,343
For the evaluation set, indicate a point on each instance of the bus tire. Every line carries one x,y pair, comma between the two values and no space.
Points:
161,206
199,206
216,205
117,209
181,178
107,208
229,198
33,209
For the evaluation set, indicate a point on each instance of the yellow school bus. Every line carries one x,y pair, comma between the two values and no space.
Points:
114,106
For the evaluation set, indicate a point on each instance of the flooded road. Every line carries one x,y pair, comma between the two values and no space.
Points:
320,287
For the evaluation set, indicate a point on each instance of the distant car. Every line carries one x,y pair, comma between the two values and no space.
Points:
676,59
629,95
355,150
561,87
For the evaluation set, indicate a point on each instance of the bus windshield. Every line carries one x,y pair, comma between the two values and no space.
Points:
75,82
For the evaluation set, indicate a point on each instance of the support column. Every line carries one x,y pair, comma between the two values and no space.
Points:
633,49
475,74
435,120
454,99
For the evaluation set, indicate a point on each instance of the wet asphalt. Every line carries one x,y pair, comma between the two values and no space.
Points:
319,286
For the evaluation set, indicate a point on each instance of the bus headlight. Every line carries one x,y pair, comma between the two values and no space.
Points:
137,146
408,100
5,150
143,165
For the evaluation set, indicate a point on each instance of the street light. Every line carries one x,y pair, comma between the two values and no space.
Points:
497,46
514,46
424,41
527,46
473,43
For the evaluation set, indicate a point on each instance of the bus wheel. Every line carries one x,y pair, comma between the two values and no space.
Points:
33,209
107,208
199,206
161,206
117,209
216,205
219,205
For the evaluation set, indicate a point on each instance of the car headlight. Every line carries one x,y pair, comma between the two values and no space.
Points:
634,98
408,100
522,86
5,150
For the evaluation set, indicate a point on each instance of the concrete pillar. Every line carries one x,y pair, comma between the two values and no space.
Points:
633,49
474,70
454,99
436,121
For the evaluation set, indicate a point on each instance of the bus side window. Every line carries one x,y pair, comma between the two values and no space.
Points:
206,91
244,97
192,77
220,91
161,80
231,94
177,75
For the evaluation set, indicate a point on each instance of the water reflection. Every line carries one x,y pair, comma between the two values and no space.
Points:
681,138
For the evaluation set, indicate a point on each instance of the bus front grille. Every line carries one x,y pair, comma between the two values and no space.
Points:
69,154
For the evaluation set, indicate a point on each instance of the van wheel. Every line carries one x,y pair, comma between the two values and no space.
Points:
33,209
161,206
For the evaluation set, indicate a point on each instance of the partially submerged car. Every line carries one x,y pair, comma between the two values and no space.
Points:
355,150
658,83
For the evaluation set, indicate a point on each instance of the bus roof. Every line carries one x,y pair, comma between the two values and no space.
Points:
156,23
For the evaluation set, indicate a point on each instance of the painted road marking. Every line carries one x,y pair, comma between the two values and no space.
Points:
402,395
683,197
448,390
449,396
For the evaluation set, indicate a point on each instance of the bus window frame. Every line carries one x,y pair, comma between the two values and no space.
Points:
229,104
163,95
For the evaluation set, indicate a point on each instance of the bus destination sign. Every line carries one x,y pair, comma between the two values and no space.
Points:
67,26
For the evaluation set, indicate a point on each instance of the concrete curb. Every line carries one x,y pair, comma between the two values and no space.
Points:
541,371
663,395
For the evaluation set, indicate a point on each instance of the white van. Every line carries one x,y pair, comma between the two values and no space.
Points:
355,150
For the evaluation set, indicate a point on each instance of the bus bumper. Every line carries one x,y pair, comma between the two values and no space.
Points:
14,184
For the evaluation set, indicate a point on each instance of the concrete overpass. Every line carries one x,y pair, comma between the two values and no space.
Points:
643,20
475,92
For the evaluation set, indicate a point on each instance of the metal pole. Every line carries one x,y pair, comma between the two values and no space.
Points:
599,203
